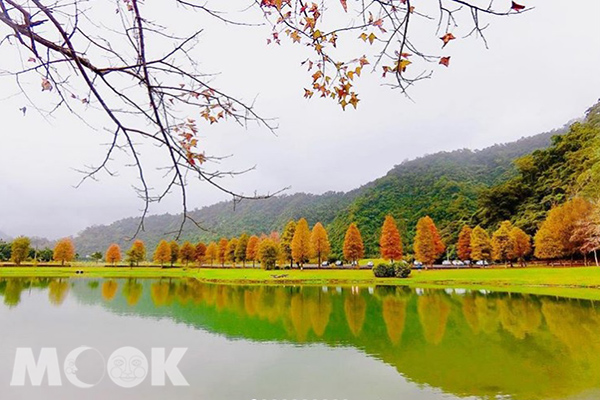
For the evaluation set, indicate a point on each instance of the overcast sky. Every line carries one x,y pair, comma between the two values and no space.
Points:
540,71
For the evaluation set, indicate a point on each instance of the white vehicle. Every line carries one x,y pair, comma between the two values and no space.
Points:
325,264
370,264
482,262
457,262
446,262
339,263
418,263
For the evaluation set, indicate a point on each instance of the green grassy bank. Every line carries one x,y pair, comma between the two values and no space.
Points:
580,281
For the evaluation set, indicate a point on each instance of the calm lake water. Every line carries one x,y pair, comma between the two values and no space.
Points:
257,342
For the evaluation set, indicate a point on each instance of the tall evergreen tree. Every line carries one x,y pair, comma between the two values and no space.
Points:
252,249
285,242
354,248
463,246
231,247
174,252
390,242
521,244
113,254
301,243
162,254
502,244
428,244
222,253
187,253
240,250
319,241
481,248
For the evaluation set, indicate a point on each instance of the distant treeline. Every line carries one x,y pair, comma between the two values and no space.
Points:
570,230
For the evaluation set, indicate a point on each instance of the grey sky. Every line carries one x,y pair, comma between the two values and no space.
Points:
540,72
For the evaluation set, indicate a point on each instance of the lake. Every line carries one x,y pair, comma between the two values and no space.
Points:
303,342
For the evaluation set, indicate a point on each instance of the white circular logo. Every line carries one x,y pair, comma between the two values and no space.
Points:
127,367
70,367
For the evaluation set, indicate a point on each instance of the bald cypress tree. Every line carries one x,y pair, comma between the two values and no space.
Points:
390,242
301,243
319,241
354,248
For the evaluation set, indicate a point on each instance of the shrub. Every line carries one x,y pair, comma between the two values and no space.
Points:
402,270
398,270
384,270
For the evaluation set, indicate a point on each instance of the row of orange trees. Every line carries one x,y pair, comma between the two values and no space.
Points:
568,229
63,252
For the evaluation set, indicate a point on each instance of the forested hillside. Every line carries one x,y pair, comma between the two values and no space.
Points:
221,219
443,185
571,166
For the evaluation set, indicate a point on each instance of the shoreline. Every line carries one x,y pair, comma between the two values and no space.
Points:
579,282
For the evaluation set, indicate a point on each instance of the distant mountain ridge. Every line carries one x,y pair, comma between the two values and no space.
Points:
410,189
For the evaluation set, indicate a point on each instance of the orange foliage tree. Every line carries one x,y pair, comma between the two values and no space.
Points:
521,244
390,242
64,251
162,254
428,245
463,247
301,243
554,239
137,253
174,252
354,249
319,242
231,247
212,252
481,247
240,249
285,242
252,249
222,253
113,254
502,243
200,253
187,253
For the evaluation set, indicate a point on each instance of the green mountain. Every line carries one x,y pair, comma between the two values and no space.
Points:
571,166
218,220
444,185
519,181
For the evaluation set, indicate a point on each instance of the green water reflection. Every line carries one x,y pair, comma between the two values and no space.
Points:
463,343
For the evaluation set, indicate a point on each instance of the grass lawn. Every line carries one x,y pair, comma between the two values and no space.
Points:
576,282
583,282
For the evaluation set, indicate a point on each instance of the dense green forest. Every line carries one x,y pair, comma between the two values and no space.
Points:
519,181
571,166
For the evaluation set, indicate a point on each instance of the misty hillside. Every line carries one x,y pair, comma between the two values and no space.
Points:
442,185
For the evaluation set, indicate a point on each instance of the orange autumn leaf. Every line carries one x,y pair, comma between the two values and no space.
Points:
447,38
402,64
295,37
354,100
445,61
